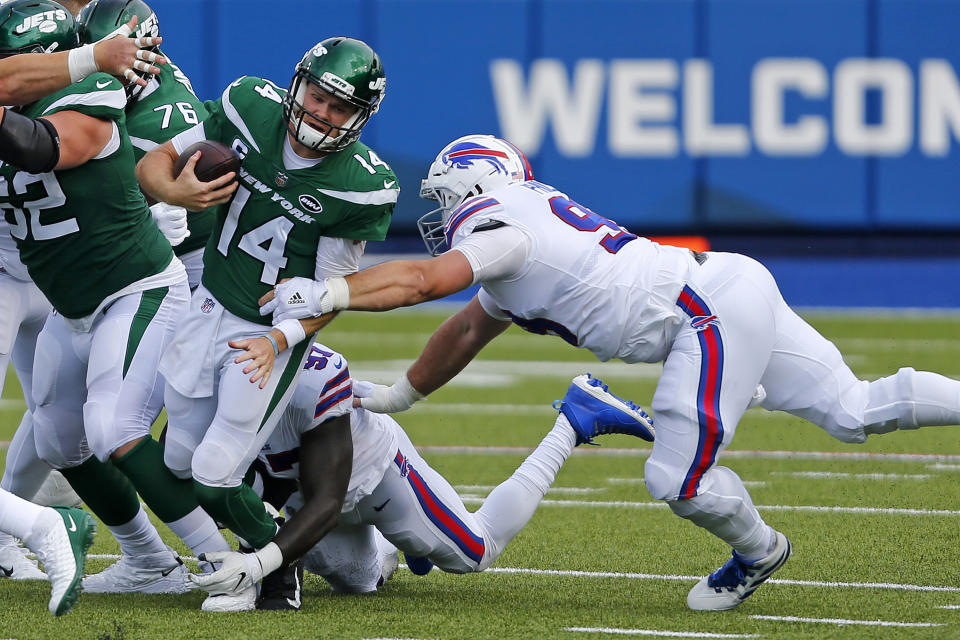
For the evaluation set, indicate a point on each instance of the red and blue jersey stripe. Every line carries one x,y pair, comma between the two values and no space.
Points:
440,515
708,392
330,395
464,211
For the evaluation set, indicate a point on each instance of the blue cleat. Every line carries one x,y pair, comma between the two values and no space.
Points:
417,565
592,411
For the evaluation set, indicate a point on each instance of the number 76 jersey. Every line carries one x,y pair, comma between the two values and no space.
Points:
586,280
272,226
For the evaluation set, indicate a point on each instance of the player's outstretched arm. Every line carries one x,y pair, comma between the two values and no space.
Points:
398,283
155,174
28,77
451,348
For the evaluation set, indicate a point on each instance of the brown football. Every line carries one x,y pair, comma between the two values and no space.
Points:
216,159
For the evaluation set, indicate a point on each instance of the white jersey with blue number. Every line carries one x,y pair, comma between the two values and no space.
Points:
325,391
587,280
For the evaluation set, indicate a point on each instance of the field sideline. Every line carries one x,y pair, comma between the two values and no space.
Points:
874,527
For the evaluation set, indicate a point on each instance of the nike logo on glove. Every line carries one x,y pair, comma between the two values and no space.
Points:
243,575
6,572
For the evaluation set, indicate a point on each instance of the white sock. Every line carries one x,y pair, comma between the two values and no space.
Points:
510,506
139,536
198,530
17,516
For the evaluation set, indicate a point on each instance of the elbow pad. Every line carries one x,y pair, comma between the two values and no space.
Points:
29,144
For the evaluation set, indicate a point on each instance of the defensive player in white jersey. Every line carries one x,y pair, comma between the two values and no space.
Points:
390,487
716,320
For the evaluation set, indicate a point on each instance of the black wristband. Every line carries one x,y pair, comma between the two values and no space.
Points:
28,144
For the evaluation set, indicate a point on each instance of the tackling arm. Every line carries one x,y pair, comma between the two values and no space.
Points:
451,348
326,461
404,283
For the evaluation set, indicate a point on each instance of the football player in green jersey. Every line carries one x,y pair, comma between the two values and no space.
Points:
118,292
308,196
156,112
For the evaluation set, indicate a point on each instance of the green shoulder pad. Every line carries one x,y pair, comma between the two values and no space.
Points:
99,95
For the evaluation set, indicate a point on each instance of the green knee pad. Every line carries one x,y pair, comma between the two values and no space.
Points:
240,509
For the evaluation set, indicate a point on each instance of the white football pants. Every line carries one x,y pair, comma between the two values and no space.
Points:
99,390
420,513
739,333
23,310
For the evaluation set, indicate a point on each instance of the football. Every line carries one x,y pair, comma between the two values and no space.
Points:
216,159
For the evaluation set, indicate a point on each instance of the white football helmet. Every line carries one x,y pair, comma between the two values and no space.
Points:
467,167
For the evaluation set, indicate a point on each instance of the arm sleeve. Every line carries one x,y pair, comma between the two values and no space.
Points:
338,257
186,138
490,306
495,254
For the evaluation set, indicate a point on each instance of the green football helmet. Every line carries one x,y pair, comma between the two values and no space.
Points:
35,26
346,68
100,18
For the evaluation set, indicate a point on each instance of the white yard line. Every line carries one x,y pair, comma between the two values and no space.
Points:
830,475
842,622
949,606
657,633
623,504
749,454
666,577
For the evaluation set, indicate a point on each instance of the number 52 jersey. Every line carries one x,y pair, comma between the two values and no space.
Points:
271,228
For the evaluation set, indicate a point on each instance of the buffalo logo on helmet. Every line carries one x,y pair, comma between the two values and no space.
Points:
463,155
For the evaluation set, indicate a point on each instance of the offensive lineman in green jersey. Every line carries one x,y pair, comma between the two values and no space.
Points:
309,196
118,292
156,112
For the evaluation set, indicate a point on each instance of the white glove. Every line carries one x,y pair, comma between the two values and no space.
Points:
379,398
238,571
298,298
172,221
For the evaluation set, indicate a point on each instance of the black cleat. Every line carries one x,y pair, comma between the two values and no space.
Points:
281,590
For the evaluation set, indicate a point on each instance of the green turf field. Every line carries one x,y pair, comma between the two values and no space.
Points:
875,532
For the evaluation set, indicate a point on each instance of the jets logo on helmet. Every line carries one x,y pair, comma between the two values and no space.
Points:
35,26
467,167
347,69
100,18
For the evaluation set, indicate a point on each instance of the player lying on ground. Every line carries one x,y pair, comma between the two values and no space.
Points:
392,488
716,320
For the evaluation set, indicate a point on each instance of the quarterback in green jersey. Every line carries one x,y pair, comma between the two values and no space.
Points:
118,292
308,196
164,107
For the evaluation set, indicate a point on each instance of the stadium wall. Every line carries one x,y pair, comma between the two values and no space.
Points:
725,118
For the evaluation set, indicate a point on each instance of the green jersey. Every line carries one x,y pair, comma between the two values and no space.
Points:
84,233
164,109
271,228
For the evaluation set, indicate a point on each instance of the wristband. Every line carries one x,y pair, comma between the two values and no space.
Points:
273,341
292,330
270,557
339,292
81,63
406,390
